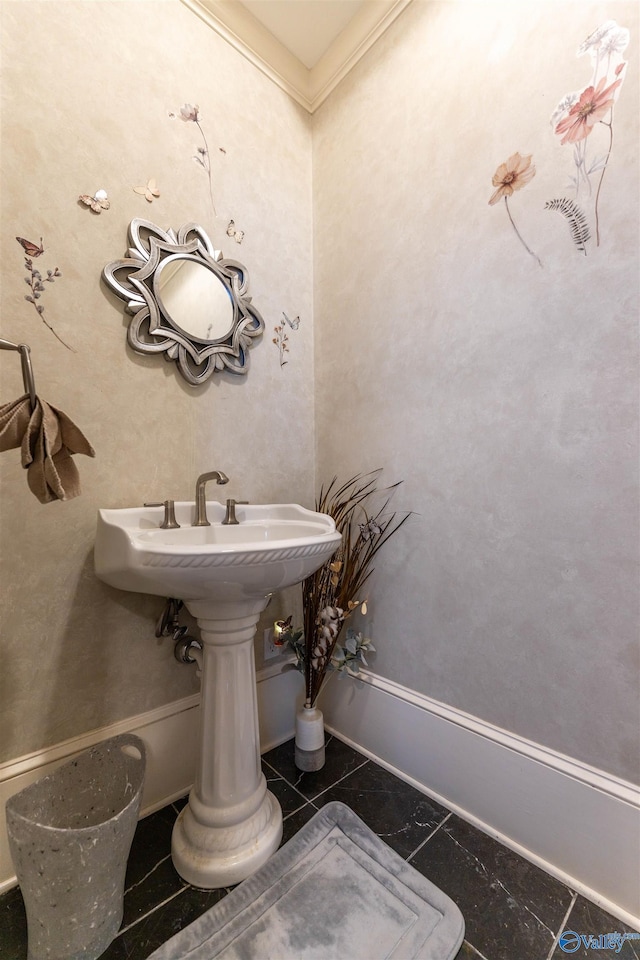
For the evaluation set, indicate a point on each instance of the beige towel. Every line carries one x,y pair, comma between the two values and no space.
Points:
48,439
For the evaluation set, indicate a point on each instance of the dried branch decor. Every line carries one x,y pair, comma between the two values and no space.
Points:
331,594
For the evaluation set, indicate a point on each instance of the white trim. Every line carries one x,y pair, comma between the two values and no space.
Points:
252,40
170,734
594,777
310,88
580,824
280,692
69,748
350,46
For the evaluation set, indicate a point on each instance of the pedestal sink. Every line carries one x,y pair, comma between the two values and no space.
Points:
225,575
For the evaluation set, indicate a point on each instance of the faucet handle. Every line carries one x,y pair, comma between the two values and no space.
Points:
230,515
169,522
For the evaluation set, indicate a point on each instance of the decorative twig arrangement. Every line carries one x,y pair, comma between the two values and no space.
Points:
332,593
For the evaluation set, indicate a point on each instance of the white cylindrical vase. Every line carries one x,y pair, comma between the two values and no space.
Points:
309,752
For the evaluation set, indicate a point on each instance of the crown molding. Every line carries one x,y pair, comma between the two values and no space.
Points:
360,34
310,88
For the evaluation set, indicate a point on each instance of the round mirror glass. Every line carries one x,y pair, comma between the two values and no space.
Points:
194,298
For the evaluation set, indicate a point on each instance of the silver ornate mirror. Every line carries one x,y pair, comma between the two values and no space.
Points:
185,300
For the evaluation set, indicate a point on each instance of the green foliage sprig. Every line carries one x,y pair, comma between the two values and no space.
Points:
344,660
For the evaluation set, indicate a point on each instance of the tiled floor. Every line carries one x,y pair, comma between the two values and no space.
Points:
512,909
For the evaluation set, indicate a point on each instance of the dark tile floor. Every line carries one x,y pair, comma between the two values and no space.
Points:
512,909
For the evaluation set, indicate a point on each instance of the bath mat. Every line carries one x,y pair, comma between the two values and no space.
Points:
334,891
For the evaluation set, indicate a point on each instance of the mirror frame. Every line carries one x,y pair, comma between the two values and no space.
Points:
152,330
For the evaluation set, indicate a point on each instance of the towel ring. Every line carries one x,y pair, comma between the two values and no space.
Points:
27,369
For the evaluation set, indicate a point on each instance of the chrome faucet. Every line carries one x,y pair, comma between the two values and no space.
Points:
201,503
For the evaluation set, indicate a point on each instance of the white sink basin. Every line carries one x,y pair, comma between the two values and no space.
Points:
273,546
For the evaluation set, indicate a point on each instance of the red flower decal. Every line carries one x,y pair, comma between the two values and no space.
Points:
593,105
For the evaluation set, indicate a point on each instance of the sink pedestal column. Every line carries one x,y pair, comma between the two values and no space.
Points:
232,823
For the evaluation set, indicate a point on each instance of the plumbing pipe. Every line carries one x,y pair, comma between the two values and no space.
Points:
189,650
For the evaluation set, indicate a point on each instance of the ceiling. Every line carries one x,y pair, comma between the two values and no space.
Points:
305,46
308,28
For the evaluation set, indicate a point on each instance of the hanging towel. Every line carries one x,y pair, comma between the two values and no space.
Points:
48,439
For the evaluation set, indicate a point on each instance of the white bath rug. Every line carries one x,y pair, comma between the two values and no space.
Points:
334,891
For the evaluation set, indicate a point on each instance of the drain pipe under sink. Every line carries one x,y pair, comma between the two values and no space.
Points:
186,649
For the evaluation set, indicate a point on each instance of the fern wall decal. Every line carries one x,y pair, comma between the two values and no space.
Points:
576,218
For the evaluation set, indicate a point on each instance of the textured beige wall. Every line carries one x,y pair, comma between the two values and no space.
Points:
87,88
503,392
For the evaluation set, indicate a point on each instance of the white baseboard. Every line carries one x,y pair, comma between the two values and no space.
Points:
578,823
279,696
170,734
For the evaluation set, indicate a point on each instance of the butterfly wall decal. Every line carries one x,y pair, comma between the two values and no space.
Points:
98,202
294,324
148,192
238,235
31,249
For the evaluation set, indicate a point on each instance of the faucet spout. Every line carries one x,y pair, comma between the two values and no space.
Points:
201,504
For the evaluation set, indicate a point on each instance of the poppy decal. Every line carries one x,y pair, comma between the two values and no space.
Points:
584,121
510,176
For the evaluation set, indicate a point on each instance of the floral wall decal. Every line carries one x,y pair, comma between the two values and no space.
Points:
148,192
281,337
513,175
190,113
280,341
579,114
584,120
36,282
97,203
